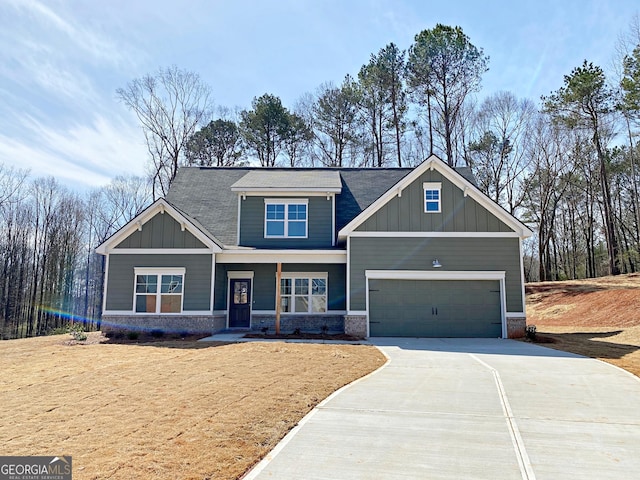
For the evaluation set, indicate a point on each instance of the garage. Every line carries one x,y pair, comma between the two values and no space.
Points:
435,308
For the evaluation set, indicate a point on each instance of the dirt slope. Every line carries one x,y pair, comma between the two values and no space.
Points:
596,317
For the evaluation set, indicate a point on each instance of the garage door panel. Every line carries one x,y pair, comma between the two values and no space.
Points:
435,308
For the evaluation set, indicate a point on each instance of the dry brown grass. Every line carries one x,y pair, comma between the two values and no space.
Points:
167,410
599,318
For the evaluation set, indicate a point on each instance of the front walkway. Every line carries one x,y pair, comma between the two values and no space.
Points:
470,409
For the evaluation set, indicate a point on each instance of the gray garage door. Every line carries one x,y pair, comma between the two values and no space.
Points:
434,308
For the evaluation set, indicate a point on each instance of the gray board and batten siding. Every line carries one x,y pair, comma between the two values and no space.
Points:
319,224
459,213
418,253
162,231
264,283
197,279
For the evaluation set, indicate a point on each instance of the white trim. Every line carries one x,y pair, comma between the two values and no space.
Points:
304,274
348,280
287,203
434,163
159,270
333,220
441,275
431,186
238,219
366,299
273,312
433,275
356,312
295,201
128,313
282,256
288,192
106,284
162,251
240,274
435,234
151,211
213,282
515,314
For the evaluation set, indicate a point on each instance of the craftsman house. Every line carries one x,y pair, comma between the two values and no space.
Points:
370,252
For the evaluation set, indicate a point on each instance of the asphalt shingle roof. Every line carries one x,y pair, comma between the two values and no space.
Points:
204,193
279,179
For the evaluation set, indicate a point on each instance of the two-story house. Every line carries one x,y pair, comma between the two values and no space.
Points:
370,252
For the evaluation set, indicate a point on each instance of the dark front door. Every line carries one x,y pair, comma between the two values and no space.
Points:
240,303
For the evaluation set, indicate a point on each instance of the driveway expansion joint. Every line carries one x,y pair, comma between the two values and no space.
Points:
524,463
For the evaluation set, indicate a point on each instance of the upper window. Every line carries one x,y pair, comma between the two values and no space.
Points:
300,293
432,197
158,290
285,218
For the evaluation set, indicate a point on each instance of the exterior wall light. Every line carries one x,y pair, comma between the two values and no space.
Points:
436,264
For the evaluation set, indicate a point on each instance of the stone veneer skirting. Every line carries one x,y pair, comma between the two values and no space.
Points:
355,325
516,327
167,323
306,323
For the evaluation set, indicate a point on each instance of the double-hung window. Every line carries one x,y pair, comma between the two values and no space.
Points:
285,218
158,290
303,293
432,197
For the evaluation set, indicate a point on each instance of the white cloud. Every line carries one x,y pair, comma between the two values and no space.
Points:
80,33
84,155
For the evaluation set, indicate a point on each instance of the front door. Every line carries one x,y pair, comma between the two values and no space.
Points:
240,303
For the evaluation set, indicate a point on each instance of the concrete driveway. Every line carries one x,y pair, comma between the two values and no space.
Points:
470,409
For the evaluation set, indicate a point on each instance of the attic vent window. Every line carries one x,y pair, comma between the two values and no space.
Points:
432,197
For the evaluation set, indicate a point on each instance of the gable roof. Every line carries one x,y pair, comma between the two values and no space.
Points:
160,206
292,180
209,195
206,198
458,179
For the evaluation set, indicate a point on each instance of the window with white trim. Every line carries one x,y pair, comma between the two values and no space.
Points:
432,197
158,290
285,218
302,293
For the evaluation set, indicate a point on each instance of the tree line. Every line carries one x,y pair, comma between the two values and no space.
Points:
51,276
566,165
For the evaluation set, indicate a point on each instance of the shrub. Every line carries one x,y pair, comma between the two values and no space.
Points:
297,331
78,333
157,333
133,335
530,332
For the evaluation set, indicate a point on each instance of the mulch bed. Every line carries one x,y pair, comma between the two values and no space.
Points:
305,336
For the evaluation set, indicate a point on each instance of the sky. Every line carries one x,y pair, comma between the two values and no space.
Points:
62,61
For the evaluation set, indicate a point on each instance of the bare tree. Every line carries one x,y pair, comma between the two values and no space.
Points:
498,152
169,105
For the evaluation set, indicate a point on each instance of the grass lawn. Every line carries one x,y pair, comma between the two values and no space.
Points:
598,318
173,409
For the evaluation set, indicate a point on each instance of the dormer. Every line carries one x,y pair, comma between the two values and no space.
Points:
287,208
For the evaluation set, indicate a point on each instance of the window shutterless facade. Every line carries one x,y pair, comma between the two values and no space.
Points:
303,293
158,290
432,197
286,218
